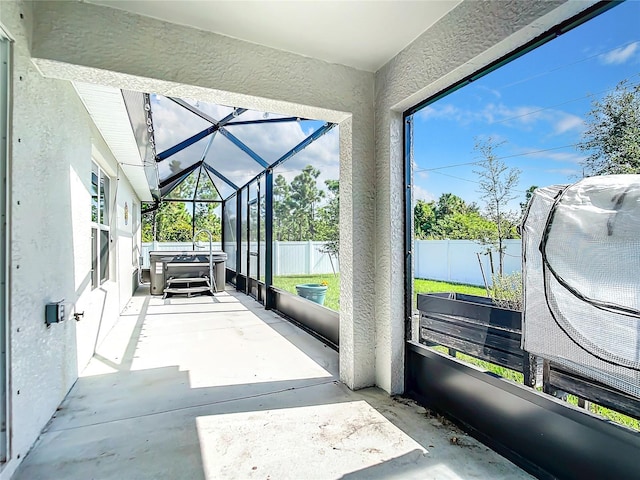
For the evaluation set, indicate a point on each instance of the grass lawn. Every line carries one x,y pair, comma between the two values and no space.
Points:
431,286
434,286
332,301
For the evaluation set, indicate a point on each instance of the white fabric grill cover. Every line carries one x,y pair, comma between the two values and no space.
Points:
581,266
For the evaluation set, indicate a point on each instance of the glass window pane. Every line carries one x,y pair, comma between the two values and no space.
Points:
224,189
94,193
185,189
230,222
206,188
94,257
232,162
208,218
253,238
271,140
217,112
305,211
172,123
261,233
104,199
179,162
104,255
243,233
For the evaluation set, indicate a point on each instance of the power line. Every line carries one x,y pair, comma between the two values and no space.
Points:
560,67
470,181
559,104
477,162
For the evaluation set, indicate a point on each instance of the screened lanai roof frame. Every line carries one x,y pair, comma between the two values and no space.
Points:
222,127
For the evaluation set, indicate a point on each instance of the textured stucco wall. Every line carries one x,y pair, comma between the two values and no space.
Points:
111,47
468,38
51,146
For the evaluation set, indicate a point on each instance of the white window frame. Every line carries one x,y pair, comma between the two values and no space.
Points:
100,226
6,64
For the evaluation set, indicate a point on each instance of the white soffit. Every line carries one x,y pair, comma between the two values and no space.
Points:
107,109
361,34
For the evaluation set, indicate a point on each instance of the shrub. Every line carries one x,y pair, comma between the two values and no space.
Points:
507,291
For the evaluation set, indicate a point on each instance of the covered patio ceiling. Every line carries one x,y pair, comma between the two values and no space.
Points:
355,33
215,149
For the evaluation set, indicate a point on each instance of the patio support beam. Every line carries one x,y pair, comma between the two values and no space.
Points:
267,120
268,239
223,228
180,175
220,176
216,125
236,141
238,237
193,206
247,228
196,111
182,200
186,143
304,144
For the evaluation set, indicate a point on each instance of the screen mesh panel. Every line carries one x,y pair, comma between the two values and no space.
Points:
582,284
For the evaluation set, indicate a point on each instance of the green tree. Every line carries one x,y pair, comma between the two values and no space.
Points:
174,221
305,195
424,219
612,136
207,219
527,198
205,212
449,218
468,225
282,217
497,188
448,203
329,221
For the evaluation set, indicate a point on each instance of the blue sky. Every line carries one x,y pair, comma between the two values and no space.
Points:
536,105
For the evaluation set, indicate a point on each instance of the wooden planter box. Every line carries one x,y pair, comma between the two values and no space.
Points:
476,326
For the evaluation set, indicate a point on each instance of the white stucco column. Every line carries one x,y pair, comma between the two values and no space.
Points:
357,275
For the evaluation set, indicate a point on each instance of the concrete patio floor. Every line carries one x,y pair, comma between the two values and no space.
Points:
216,388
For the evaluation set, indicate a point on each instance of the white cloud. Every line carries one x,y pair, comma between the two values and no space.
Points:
567,172
420,193
492,91
441,111
522,117
530,153
568,157
619,55
569,122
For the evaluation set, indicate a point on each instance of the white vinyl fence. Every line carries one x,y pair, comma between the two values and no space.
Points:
457,261
447,260
289,258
